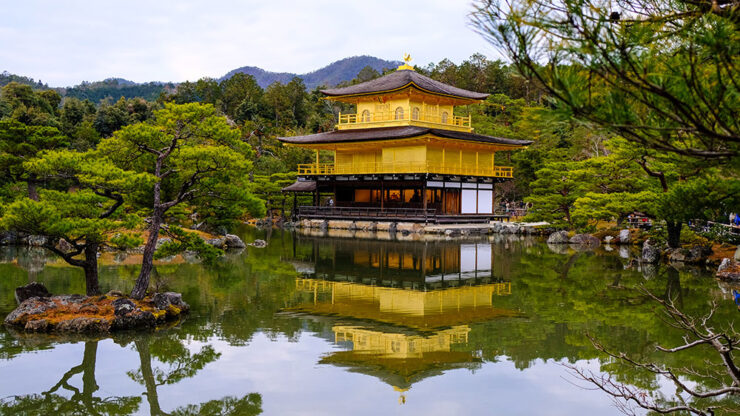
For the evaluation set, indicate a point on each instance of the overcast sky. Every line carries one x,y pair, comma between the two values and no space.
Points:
65,42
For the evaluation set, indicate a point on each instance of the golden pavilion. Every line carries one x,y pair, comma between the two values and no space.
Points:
404,154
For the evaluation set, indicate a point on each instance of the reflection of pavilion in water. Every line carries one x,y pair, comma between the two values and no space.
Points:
402,309
416,265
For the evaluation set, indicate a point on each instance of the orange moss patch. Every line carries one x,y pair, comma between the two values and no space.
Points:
721,251
97,307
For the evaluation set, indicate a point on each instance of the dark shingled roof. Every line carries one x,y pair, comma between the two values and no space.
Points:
389,133
402,78
301,186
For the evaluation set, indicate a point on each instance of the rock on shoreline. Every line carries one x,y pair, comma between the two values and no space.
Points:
95,314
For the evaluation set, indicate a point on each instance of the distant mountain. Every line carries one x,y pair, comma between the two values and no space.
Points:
330,75
115,88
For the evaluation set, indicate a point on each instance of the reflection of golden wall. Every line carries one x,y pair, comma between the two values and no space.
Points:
398,345
407,302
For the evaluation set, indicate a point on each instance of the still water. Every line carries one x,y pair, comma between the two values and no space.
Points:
339,324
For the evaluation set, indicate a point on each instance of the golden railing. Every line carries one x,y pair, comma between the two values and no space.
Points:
404,167
408,116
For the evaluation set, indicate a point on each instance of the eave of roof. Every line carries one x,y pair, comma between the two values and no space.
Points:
401,79
390,133
301,186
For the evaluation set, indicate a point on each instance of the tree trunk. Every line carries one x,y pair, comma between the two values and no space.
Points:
89,385
32,192
147,262
674,233
145,360
90,267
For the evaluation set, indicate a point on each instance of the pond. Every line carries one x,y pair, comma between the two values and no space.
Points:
339,324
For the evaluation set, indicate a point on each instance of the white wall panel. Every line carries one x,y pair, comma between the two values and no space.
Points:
485,202
468,201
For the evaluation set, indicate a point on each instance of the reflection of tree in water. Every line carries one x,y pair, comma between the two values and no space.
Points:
82,402
180,364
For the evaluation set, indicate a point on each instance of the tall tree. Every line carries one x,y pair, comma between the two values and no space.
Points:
83,213
194,156
660,73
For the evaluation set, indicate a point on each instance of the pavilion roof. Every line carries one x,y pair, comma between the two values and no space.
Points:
401,132
401,79
301,186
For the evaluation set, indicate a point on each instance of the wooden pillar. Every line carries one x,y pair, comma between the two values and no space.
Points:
444,199
424,198
382,194
294,214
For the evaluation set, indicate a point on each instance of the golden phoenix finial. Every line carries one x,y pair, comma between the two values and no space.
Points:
406,58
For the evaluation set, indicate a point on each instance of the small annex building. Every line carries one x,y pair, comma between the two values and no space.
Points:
403,155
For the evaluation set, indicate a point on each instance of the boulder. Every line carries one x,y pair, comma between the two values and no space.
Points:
737,254
123,306
37,325
624,237
233,241
558,237
650,253
162,241
216,242
164,300
585,240
28,309
33,289
134,319
393,227
83,324
608,239
729,269
259,243
339,224
64,245
114,294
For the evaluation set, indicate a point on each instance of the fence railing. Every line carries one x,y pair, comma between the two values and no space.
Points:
368,119
404,167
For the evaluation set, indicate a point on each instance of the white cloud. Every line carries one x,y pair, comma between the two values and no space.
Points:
64,43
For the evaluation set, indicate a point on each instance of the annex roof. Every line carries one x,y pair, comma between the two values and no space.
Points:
301,186
400,79
390,133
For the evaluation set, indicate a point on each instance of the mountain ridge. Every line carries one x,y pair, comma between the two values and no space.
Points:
114,87
329,75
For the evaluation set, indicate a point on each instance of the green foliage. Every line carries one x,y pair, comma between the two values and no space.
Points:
20,142
249,405
187,241
35,108
553,193
668,86
114,88
125,241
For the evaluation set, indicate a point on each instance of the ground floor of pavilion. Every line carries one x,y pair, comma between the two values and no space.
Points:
413,197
